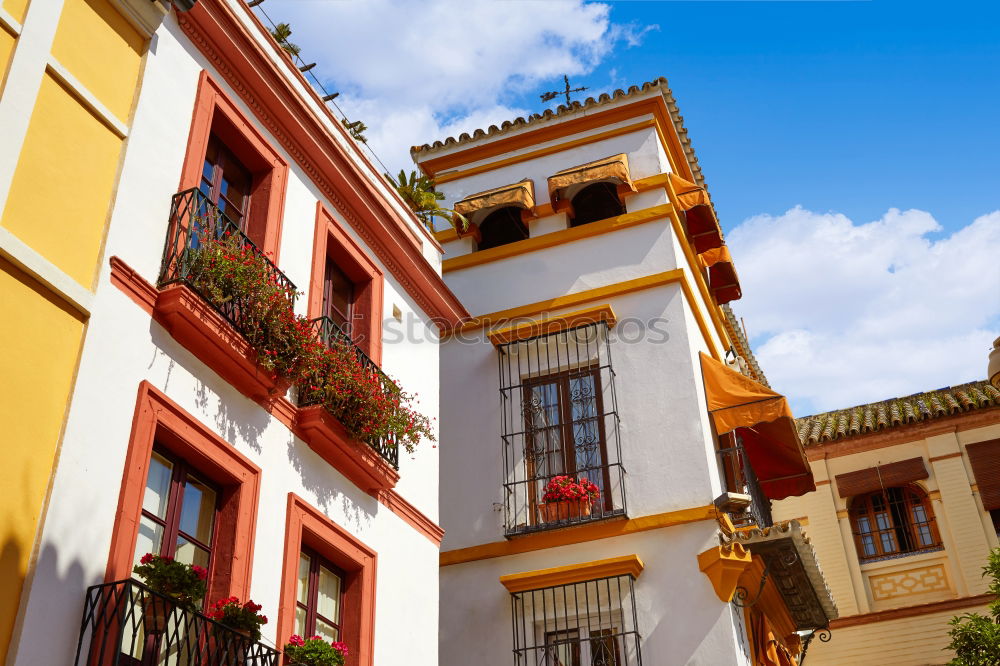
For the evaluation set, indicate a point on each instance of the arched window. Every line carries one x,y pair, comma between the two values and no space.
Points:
893,521
502,226
598,201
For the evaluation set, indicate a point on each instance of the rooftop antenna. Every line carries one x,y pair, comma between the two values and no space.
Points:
549,96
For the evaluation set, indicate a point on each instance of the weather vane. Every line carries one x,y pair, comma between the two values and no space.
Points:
549,96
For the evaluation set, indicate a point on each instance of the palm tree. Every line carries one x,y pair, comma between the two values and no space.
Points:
357,130
419,194
281,33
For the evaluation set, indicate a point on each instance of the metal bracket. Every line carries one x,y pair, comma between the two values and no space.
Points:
824,637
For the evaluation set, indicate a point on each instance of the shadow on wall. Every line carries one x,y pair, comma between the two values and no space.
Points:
327,485
52,637
236,418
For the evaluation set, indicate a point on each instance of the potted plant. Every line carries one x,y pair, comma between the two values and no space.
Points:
566,497
243,618
185,583
314,651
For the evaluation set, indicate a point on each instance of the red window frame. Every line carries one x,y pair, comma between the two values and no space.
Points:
222,173
217,117
161,422
336,280
332,243
311,607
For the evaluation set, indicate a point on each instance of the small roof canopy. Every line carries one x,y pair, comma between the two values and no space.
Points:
612,169
764,420
520,194
703,228
722,276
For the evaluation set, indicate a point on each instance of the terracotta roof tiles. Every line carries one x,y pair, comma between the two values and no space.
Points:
886,414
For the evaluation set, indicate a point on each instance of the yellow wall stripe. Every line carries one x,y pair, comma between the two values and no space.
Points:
562,322
573,573
581,534
449,176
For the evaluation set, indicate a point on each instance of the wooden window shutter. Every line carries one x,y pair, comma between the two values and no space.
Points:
874,478
985,459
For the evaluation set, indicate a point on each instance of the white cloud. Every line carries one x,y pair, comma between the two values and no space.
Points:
417,72
841,313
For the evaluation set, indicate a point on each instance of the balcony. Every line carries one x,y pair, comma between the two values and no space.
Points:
746,503
128,624
215,327
372,464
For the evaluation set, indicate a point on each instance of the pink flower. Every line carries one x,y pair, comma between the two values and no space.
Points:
201,572
296,640
340,646
147,558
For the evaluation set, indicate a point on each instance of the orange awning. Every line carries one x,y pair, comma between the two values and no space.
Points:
520,194
612,169
721,274
764,421
702,227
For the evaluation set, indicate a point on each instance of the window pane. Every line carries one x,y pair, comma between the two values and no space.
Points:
150,538
188,553
154,500
302,586
543,422
864,525
328,599
919,515
198,512
300,622
326,631
882,519
924,535
562,648
888,542
868,543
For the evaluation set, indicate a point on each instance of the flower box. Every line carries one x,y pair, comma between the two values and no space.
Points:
356,460
206,334
552,512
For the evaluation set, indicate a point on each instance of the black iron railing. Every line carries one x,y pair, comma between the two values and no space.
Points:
592,622
333,335
741,479
195,223
559,417
127,624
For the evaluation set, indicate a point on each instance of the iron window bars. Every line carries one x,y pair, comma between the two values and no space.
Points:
740,478
590,623
332,334
893,522
559,417
127,624
195,221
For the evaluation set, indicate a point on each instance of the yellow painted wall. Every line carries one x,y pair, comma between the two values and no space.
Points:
16,8
7,42
61,191
915,641
40,341
101,50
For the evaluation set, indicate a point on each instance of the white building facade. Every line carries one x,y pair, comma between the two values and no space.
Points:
596,275
176,441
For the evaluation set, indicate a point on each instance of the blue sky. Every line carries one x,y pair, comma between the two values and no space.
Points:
847,106
851,149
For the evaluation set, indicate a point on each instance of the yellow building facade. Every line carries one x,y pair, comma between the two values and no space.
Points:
69,76
906,510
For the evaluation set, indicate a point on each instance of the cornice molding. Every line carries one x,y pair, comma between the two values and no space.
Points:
237,57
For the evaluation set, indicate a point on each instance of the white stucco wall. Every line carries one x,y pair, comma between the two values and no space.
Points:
680,619
667,442
124,346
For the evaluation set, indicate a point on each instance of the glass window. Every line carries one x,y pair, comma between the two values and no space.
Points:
598,201
226,182
319,597
501,227
338,296
892,521
178,513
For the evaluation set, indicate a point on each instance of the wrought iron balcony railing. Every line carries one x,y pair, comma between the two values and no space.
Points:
333,335
194,223
741,479
127,624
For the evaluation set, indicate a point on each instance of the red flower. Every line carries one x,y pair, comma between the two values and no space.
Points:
296,640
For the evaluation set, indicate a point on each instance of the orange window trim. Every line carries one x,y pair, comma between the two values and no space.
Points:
215,113
307,526
158,419
219,32
332,240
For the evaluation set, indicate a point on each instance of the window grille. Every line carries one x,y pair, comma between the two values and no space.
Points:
591,623
559,417
893,522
